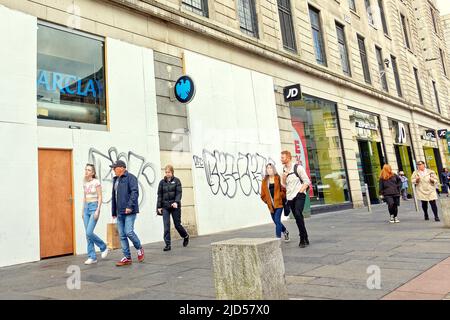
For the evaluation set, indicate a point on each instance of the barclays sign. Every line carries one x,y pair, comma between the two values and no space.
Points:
68,84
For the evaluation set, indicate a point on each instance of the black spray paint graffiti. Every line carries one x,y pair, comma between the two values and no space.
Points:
225,174
136,164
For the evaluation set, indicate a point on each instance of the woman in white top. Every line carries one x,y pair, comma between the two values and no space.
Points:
91,213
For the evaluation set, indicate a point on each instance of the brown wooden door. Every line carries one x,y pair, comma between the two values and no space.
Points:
55,202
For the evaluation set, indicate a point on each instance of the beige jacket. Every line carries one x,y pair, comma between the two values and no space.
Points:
425,188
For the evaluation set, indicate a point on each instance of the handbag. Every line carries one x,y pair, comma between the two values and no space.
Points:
112,236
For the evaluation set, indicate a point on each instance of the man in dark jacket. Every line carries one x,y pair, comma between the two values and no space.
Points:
169,203
125,195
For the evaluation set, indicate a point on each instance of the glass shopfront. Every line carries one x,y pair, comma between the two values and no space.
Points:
401,136
370,155
318,148
444,141
70,78
431,149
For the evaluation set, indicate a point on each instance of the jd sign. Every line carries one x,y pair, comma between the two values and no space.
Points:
292,93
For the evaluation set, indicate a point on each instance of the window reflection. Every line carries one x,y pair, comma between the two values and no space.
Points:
70,77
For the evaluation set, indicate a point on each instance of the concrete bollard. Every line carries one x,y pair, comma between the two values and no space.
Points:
249,269
445,208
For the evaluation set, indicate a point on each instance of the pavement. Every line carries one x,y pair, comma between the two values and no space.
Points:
353,255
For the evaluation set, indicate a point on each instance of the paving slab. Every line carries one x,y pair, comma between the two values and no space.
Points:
343,245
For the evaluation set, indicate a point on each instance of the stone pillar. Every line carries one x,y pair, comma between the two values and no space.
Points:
445,208
249,269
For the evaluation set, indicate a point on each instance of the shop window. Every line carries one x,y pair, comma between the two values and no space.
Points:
370,154
316,131
70,78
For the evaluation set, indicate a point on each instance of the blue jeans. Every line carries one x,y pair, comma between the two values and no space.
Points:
89,225
279,227
125,225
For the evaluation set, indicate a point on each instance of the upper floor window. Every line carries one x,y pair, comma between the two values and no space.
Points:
352,5
197,6
287,27
433,19
364,60
369,12
343,52
419,89
383,17
436,96
381,69
316,28
441,53
247,17
405,30
396,76
70,77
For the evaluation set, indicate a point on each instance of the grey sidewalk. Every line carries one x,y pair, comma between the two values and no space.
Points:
343,245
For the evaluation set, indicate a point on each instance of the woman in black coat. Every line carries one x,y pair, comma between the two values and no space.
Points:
390,186
169,203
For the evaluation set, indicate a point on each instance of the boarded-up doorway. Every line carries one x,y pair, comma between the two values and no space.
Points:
55,202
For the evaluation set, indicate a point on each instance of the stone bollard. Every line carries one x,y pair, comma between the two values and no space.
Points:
249,269
445,208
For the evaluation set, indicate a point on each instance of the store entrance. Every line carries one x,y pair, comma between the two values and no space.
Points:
433,159
405,163
372,161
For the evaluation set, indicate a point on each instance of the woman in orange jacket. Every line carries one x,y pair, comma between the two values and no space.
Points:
273,194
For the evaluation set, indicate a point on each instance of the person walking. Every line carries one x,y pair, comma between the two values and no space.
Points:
125,208
425,181
445,178
405,186
169,203
274,195
91,213
296,182
390,185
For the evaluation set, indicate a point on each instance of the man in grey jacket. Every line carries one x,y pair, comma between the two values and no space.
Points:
296,184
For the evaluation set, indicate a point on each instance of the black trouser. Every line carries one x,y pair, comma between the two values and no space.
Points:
297,204
433,207
176,216
393,202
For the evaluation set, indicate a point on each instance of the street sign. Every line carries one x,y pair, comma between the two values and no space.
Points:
292,93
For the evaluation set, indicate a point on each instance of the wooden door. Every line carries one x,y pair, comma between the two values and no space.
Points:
55,202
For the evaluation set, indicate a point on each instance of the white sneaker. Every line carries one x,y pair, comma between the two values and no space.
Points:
392,220
105,253
396,220
90,261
